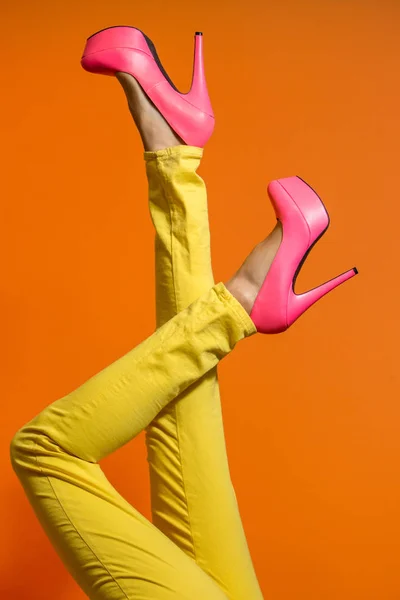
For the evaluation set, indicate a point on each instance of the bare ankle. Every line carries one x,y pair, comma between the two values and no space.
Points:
247,281
154,130
242,291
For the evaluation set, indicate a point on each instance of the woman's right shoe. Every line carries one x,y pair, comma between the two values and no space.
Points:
304,220
127,49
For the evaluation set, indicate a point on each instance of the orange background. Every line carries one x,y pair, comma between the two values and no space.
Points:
312,416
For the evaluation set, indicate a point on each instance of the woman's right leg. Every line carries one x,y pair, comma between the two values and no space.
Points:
110,549
193,499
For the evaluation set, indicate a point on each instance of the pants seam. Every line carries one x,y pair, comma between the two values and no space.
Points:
175,410
72,524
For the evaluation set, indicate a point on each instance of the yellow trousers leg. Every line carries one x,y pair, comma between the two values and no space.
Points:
193,500
110,549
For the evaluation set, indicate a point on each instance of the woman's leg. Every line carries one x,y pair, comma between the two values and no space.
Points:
193,499
110,549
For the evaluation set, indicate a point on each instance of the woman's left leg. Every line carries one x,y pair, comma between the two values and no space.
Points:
112,551
193,499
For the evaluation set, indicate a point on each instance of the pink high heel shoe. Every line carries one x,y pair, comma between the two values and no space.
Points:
304,220
127,49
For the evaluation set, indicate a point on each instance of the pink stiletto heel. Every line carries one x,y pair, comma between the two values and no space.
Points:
304,220
129,50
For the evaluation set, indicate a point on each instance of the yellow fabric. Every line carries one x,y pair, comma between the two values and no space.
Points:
196,547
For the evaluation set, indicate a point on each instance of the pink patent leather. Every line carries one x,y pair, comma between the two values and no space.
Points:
303,218
125,49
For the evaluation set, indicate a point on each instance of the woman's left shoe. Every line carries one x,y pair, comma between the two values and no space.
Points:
127,49
304,220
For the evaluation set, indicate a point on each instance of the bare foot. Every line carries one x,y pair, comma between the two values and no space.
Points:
154,130
246,282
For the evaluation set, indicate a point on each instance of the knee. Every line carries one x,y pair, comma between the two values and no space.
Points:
20,448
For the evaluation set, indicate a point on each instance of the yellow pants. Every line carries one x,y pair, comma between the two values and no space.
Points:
195,548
